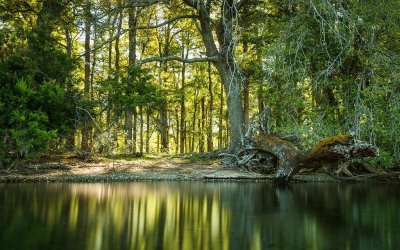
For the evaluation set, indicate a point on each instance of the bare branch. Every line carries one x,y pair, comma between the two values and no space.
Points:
116,36
180,59
165,22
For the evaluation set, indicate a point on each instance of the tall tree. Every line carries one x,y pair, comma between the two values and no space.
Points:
86,126
223,50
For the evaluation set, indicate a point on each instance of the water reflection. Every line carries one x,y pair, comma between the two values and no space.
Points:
192,215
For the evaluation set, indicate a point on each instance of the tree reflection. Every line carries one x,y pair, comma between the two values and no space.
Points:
194,215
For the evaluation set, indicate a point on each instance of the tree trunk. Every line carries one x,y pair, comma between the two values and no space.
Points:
141,131
147,130
226,66
134,136
221,111
70,140
86,89
246,91
201,128
164,126
210,112
194,123
130,138
177,141
246,102
260,99
183,111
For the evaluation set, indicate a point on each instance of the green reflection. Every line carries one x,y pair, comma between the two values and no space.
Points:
192,215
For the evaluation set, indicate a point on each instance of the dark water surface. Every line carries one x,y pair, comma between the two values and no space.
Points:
196,215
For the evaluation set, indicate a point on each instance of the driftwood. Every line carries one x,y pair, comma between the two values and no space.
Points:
268,153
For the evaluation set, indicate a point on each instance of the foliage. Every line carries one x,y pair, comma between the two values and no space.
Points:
35,77
323,67
336,70
27,125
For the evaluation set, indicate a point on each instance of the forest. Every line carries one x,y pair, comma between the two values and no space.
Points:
169,77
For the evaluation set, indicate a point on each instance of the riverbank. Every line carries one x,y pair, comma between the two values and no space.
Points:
61,169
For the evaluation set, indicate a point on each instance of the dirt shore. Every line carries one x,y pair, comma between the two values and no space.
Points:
173,169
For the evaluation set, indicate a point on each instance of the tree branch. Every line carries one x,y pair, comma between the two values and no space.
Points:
116,36
191,3
141,3
180,59
165,22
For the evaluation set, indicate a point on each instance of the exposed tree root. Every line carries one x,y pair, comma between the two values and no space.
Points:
266,153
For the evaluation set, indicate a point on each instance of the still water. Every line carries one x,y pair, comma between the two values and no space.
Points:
197,215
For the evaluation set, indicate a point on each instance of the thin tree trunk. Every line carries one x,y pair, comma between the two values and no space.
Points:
163,119
70,141
210,112
183,111
201,128
177,131
221,109
86,89
135,118
109,108
141,131
194,124
260,98
147,131
130,137
246,91
246,102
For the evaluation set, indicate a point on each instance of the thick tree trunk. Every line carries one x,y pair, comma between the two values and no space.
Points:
226,66
233,92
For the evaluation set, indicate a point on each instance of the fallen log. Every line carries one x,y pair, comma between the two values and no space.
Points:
266,153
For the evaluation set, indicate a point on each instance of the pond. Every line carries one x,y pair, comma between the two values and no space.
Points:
199,215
